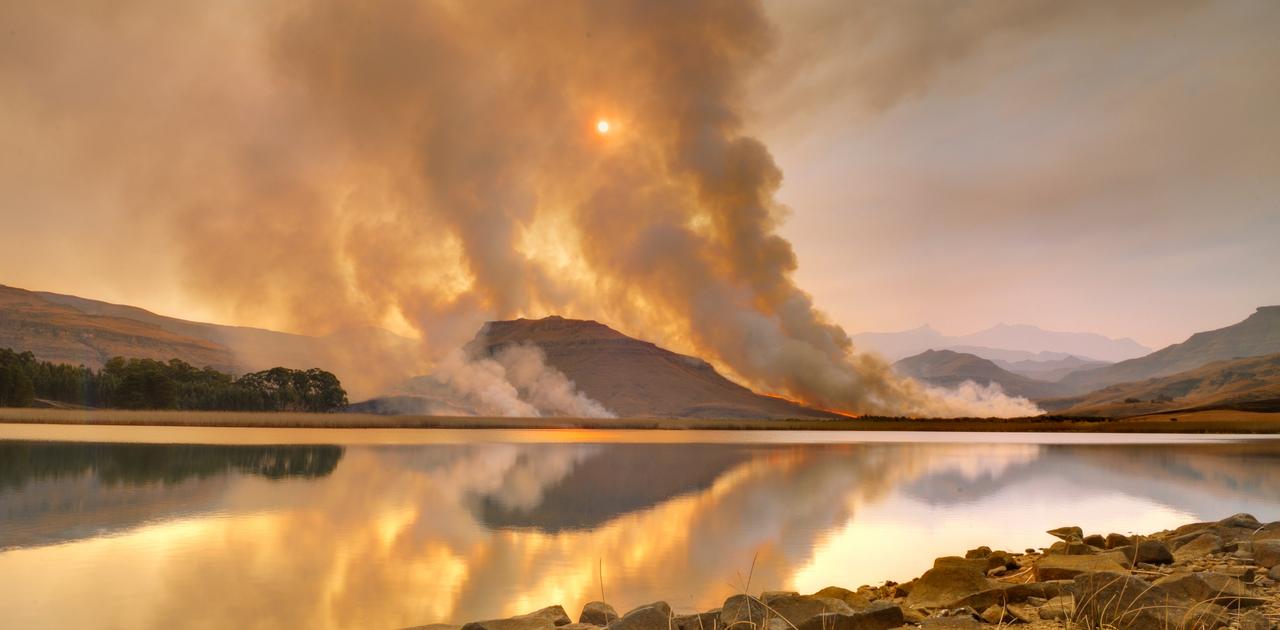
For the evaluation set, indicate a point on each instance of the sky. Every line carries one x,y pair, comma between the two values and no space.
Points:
779,173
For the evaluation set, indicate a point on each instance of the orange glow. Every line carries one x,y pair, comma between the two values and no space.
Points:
813,406
602,126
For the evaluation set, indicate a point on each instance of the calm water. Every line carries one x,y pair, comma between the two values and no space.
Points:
217,528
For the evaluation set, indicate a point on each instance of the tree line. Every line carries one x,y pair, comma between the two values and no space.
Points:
175,384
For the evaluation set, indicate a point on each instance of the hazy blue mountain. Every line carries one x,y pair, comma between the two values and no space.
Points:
997,342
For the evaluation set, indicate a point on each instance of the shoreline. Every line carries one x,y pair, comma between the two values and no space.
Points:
1202,422
1199,576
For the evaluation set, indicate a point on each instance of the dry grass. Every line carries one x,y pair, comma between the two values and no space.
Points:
1202,422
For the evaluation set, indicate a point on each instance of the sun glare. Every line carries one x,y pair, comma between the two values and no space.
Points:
602,126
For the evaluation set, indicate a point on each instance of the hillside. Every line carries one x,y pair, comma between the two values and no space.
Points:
1252,382
946,368
635,378
70,329
63,334
1257,335
1009,342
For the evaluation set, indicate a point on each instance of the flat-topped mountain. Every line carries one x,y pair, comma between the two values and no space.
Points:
634,378
946,368
1257,335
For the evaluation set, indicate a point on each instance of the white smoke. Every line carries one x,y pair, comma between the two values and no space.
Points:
969,399
516,381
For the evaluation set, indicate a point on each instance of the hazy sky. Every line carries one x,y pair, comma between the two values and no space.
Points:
1079,166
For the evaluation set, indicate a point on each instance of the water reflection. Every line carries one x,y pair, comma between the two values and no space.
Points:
391,536
53,492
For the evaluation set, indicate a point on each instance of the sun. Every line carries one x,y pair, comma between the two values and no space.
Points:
602,126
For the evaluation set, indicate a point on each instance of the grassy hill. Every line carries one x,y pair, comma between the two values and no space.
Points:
1249,383
1257,335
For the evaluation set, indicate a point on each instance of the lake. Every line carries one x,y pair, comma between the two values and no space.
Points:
145,527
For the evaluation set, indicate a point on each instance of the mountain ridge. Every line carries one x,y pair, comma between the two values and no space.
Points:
1256,335
998,339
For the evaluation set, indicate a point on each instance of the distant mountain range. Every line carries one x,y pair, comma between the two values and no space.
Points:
1257,335
1051,370
947,368
1005,342
630,377
1250,383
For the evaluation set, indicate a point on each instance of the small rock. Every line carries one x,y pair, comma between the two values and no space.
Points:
1116,540
1068,533
1067,567
545,619
655,616
980,552
1274,573
877,616
1253,620
579,626
598,613
1060,607
854,600
993,615
951,623
1095,540
1026,613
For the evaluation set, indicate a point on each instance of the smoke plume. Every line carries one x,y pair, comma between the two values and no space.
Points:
516,381
428,166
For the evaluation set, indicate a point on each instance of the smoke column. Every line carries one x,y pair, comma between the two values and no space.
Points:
429,166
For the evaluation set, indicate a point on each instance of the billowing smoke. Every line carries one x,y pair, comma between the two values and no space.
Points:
429,166
515,381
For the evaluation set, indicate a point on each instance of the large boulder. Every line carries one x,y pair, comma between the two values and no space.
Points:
1266,553
598,613
1067,567
1148,551
880,615
1198,547
1124,601
955,582
797,609
1114,540
742,608
1220,589
699,621
655,616
548,618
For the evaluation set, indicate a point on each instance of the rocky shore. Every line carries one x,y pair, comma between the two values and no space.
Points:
1201,576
